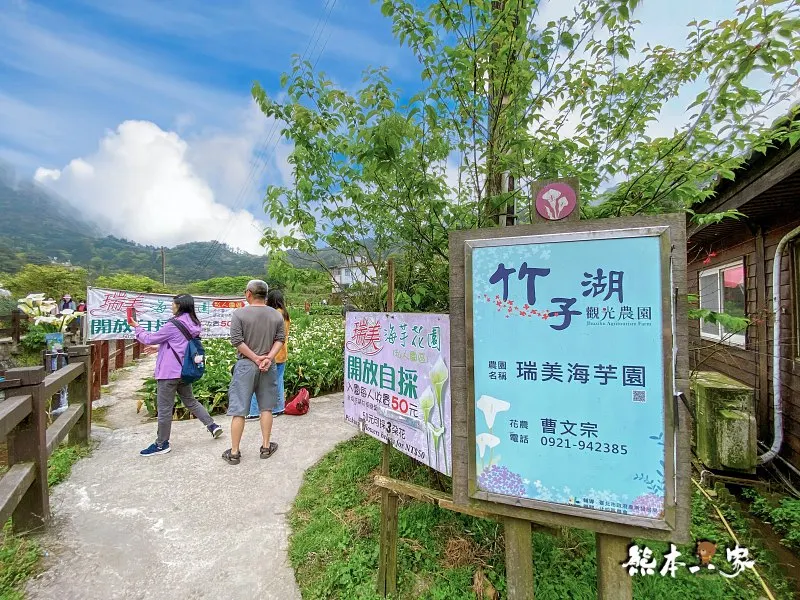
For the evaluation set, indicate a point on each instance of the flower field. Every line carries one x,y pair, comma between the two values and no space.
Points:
316,355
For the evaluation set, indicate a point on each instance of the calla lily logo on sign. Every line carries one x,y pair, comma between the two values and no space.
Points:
556,201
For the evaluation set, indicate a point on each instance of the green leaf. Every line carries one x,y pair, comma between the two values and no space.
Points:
387,9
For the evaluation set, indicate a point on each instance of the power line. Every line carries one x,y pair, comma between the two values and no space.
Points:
215,244
266,151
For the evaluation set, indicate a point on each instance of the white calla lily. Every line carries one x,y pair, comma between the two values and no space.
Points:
490,406
486,440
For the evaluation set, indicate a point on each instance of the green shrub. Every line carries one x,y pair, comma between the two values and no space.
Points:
783,513
326,309
7,304
34,339
316,362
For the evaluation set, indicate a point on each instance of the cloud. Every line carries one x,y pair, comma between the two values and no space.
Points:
141,184
237,162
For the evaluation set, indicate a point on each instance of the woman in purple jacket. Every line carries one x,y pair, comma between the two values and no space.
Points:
171,350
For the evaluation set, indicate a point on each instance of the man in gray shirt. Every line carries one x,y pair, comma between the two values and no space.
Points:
257,332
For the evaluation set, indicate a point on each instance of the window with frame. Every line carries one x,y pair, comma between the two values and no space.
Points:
722,290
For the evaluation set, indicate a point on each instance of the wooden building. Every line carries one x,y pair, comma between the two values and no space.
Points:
730,269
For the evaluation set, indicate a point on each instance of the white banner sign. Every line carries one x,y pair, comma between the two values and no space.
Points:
107,313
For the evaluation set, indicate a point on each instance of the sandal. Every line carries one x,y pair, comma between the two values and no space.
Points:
231,458
267,452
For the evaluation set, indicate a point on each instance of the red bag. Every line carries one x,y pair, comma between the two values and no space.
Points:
298,405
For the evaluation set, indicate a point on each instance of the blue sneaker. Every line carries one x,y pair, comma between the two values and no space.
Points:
215,430
154,449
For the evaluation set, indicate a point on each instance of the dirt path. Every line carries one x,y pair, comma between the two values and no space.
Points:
185,524
118,405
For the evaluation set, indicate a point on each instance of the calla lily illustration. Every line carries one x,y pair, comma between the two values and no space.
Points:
551,196
437,433
486,440
438,377
557,203
490,407
426,402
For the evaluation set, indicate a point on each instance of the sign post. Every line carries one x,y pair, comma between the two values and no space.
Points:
568,349
397,390
387,561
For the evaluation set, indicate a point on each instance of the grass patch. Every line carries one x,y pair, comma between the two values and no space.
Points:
442,555
782,512
60,464
100,416
19,555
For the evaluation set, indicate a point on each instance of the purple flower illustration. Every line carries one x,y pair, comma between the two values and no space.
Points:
649,505
501,481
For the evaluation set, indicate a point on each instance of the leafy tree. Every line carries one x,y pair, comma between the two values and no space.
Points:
282,274
132,283
377,174
52,280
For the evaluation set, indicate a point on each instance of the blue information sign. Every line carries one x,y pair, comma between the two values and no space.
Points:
570,370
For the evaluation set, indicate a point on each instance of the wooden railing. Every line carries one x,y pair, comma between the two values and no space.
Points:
103,361
24,494
16,318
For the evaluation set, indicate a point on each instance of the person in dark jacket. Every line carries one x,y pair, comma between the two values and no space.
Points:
172,346
66,303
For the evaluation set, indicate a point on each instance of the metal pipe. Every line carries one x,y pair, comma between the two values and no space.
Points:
785,462
777,409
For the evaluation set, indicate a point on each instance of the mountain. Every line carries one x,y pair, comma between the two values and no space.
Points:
38,227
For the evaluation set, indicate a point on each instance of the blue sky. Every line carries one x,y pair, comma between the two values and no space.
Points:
139,111
83,66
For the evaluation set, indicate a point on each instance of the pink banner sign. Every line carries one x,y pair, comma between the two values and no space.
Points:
396,378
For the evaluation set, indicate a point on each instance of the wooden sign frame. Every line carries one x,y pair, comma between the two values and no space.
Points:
675,525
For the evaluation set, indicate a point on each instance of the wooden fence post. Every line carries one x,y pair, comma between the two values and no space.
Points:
96,364
387,560
519,561
119,358
104,363
28,443
16,325
613,582
137,349
80,392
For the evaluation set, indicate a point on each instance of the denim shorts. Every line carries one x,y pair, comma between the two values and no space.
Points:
247,380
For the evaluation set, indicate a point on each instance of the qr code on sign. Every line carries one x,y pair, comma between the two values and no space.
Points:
639,396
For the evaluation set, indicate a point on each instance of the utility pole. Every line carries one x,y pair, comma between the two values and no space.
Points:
163,266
